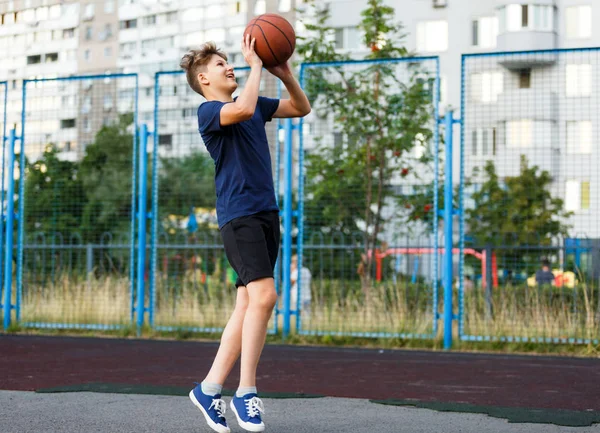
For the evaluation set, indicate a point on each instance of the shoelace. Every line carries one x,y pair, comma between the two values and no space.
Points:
219,406
254,406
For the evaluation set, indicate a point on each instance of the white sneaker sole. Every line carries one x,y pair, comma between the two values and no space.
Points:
248,426
213,425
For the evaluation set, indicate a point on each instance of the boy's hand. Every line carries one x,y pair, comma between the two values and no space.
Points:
281,71
248,52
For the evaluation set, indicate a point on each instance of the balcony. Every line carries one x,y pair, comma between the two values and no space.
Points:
524,26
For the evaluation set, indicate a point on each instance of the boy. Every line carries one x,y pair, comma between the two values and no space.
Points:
234,133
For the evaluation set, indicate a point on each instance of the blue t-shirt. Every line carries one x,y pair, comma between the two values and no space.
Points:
243,173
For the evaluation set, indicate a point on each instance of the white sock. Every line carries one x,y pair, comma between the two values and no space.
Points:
211,389
245,390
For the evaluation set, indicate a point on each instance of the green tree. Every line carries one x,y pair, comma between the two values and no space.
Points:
185,183
517,211
106,173
385,115
54,195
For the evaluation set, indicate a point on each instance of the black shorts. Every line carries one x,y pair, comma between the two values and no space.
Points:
252,245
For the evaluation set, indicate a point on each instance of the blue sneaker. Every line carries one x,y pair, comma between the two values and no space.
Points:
247,410
213,409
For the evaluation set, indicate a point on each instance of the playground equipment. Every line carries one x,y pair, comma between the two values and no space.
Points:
398,252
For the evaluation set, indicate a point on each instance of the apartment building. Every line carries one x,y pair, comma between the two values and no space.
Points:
541,106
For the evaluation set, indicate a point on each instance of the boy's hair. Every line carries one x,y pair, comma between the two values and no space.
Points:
195,61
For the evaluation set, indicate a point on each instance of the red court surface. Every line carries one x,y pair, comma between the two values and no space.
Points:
36,362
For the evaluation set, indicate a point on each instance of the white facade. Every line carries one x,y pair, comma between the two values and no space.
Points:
515,101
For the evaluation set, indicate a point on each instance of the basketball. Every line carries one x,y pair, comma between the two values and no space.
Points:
275,38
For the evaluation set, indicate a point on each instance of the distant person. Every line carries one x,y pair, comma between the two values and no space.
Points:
305,279
544,275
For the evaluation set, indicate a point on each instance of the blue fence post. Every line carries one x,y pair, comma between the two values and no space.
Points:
3,84
287,226
142,215
10,218
154,211
21,212
132,267
448,214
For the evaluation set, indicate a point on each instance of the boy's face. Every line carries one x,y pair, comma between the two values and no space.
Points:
218,75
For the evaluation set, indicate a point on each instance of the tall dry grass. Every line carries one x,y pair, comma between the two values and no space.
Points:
185,302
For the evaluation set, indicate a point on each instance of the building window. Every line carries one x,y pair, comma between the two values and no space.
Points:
285,5
483,141
579,80
579,137
517,17
54,12
41,14
86,124
149,20
87,55
89,11
88,33
32,60
67,123
188,112
128,47
108,102
485,87
128,24
432,36
165,140
107,52
260,7
347,38
171,17
109,6
577,195
217,35
579,22
193,14
68,33
525,79
527,133
51,57
519,133
485,32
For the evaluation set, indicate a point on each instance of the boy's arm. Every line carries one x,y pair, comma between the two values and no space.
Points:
297,105
245,104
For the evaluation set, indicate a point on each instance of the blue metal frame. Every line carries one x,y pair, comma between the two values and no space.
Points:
300,241
277,271
142,215
4,85
10,212
132,272
20,214
516,53
461,322
448,231
436,204
461,209
300,219
154,180
287,226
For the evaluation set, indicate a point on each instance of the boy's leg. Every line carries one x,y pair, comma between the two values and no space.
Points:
231,341
262,298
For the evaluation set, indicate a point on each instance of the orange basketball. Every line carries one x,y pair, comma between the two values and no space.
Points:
275,38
